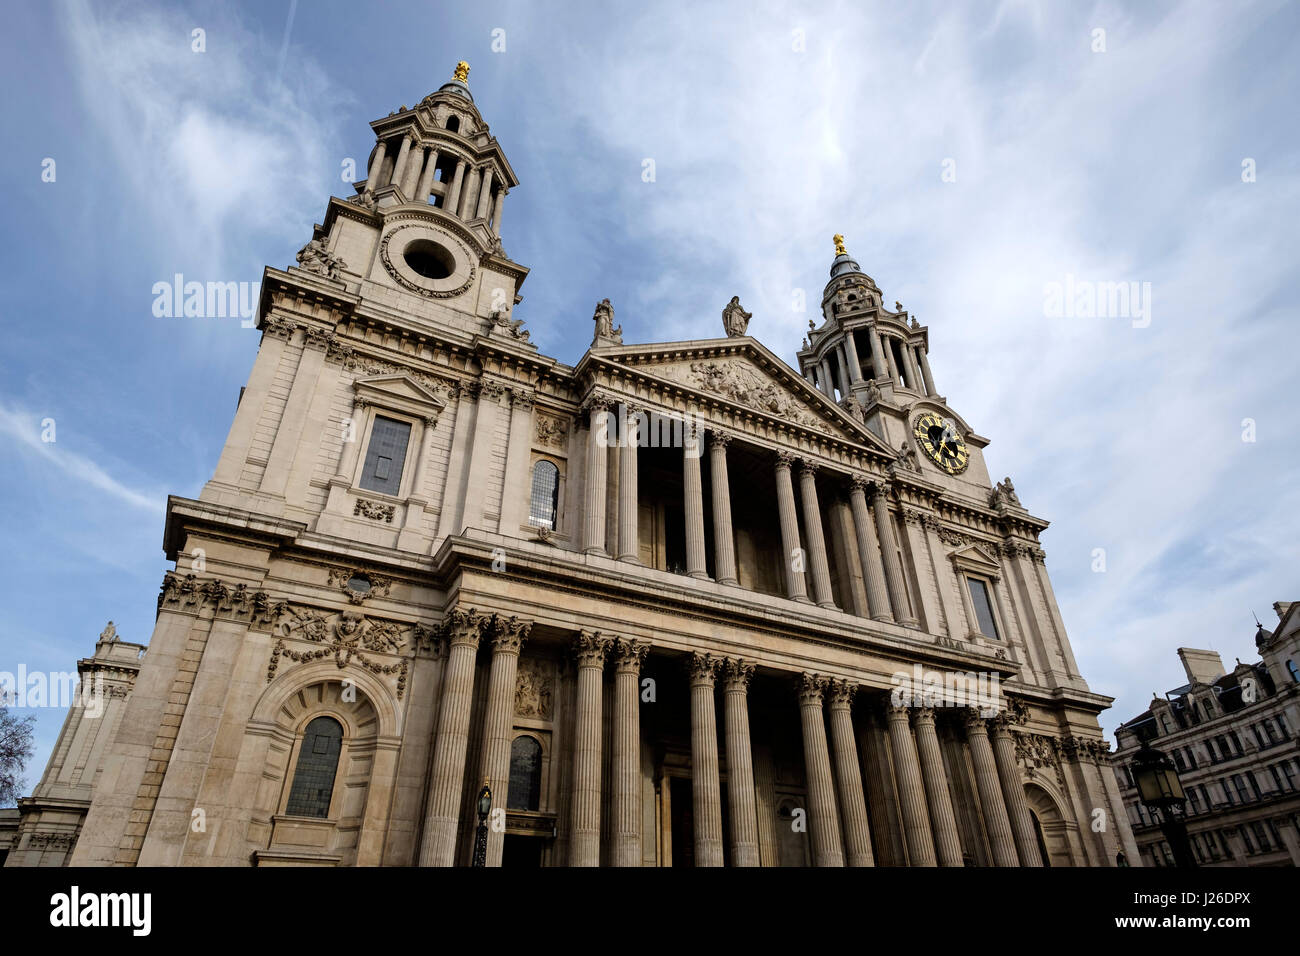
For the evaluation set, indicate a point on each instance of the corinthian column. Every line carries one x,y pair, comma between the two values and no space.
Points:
724,557
403,154
911,792
593,520
823,817
740,763
986,782
628,547
943,822
625,808
376,164
694,493
1013,793
812,521
498,720
426,178
438,848
872,567
584,824
857,830
789,529
889,552
705,787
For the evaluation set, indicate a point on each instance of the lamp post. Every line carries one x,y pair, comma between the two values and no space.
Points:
481,837
1159,789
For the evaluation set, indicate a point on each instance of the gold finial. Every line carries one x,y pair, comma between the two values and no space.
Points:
839,245
462,72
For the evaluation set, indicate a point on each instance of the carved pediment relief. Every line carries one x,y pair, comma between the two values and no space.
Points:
754,378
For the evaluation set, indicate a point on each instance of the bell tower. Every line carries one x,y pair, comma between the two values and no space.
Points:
874,362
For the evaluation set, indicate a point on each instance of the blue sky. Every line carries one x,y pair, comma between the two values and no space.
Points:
772,126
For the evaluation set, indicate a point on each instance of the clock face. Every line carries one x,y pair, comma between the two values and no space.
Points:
939,438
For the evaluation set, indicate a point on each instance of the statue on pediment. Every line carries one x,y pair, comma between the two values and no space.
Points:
606,332
735,319
314,257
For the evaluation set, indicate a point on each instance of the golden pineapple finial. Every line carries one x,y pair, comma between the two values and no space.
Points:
839,245
462,72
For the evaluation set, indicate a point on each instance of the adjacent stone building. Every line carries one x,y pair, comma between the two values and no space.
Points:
679,604
1233,739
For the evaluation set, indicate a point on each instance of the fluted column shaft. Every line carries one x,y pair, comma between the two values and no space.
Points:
443,804
792,560
1013,795
911,792
889,554
584,824
693,488
851,350
996,822
812,523
828,381
842,365
873,569
741,801
451,198
853,804
880,365
925,373
426,178
469,195
706,790
593,523
403,154
943,822
823,815
414,168
376,166
625,759
724,546
497,208
628,519
484,194
498,722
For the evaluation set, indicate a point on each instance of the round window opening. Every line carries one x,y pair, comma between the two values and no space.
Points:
429,259
359,584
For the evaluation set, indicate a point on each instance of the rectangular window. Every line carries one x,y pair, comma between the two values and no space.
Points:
979,596
386,456
1243,792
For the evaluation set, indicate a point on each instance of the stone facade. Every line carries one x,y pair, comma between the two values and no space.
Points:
1233,740
679,604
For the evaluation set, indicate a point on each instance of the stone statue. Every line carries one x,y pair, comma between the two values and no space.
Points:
109,633
839,245
314,257
873,393
735,319
606,332
1004,493
502,322
366,199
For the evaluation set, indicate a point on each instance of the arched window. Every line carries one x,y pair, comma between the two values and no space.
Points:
525,774
453,124
545,496
318,760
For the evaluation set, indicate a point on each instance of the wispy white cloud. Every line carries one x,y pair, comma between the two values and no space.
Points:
25,430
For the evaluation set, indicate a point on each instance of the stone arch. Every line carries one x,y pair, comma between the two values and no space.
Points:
1052,825
280,692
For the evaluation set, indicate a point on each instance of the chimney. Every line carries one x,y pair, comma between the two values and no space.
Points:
1202,667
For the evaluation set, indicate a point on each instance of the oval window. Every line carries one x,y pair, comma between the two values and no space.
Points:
427,258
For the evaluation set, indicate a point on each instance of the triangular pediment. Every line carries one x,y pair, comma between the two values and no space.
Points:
743,372
974,557
400,392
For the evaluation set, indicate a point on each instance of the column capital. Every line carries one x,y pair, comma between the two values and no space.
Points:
702,668
785,459
923,715
859,482
880,488
898,710
975,722
590,648
598,402
841,692
719,439
737,673
629,654
463,625
812,689
807,467
509,634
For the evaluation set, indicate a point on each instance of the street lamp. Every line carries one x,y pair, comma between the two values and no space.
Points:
1159,789
481,838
